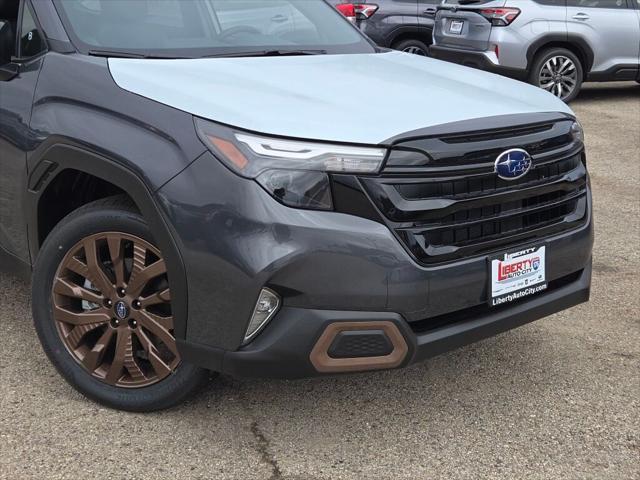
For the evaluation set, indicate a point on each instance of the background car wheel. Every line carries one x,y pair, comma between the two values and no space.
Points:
558,71
415,47
102,310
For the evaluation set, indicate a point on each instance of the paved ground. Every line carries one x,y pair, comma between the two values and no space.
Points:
557,399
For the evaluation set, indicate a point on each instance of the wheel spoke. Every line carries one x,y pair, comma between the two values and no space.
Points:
140,277
566,63
130,363
160,367
77,333
92,270
99,316
93,358
156,299
117,258
152,323
164,322
123,347
68,289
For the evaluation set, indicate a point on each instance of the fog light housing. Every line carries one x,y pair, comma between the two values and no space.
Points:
265,309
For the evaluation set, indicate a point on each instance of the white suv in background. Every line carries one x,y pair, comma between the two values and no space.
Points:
554,44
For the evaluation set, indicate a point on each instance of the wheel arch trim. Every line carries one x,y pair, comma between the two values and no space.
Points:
60,157
570,41
419,31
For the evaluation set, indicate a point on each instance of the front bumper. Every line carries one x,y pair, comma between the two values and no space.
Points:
331,268
284,349
476,59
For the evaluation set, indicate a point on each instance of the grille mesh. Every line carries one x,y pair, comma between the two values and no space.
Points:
448,203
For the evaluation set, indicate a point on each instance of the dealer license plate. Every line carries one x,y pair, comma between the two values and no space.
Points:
456,27
517,275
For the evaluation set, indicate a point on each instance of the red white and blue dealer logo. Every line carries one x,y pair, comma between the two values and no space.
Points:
522,268
517,275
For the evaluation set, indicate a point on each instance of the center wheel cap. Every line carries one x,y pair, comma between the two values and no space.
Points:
122,310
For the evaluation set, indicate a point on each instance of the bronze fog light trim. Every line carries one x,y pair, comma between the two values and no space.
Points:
325,364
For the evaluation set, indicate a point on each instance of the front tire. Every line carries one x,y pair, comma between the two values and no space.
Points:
102,310
558,71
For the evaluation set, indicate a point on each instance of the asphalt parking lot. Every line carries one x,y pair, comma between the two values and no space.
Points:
559,398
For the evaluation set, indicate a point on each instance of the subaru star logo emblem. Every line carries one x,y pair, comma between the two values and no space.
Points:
122,311
513,164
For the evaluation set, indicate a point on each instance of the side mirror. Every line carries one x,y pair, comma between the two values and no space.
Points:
9,72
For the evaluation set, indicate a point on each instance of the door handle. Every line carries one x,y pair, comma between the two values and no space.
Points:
430,11
279,19
581,16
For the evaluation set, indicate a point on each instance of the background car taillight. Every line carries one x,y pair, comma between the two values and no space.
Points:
365,10
500,17
348,10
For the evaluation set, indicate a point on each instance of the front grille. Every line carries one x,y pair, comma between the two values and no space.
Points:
442,198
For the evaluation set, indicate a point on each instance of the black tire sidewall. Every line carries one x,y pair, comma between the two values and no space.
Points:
67,234
412,43
544,56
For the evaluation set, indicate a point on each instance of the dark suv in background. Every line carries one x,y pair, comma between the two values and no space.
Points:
405,25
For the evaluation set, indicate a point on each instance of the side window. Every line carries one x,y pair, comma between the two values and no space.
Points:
31,40
598,3
553,3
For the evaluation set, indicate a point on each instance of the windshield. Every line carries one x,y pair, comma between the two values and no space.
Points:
198,28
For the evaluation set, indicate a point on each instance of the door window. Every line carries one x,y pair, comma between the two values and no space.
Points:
598,3
31,40
553,3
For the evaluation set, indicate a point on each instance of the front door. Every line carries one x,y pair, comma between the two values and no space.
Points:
16,139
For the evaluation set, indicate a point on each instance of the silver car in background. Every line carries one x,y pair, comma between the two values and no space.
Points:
554,44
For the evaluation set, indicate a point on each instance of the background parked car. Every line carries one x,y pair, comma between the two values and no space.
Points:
405,25
554,44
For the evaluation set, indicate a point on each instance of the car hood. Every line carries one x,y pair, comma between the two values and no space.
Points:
365,99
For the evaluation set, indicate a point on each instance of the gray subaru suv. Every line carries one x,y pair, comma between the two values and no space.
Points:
554,44
190,186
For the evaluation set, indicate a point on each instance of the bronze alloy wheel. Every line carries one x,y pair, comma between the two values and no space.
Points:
112,308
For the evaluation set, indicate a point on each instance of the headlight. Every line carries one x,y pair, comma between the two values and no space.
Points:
577,132
293,171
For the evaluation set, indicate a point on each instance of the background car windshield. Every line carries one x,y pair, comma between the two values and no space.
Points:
206,27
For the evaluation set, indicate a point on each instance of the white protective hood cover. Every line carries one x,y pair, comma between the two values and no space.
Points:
366,98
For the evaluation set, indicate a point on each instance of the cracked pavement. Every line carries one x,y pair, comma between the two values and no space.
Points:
559,398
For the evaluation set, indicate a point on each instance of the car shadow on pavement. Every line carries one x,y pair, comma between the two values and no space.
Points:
508,367
610,91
